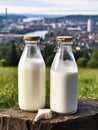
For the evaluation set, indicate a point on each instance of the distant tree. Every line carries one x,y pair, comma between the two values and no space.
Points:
19,51
48,35
86,54
13,58
48,54
49,60
77,54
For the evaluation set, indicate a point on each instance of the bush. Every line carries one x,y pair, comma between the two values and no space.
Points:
93,62
82,62
3,62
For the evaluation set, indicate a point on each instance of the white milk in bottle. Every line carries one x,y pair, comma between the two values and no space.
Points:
31,77
64,79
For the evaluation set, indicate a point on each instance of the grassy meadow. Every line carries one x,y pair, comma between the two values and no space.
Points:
87,86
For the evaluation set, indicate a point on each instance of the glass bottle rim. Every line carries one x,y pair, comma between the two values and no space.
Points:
64,38
31,39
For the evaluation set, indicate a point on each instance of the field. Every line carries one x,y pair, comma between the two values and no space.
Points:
87,86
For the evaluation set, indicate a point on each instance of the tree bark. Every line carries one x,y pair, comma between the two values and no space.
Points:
86,118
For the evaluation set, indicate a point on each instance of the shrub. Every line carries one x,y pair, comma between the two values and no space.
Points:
3,62
93,62
82,62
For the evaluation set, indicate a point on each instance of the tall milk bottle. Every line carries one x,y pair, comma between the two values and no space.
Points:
31,76
64,78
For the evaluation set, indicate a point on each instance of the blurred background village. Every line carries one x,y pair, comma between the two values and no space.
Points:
83,29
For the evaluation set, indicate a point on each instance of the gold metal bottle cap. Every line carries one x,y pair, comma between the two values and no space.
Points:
64,38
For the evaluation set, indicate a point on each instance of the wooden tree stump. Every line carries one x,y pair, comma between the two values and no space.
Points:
86,118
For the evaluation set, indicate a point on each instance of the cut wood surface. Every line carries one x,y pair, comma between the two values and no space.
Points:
86,118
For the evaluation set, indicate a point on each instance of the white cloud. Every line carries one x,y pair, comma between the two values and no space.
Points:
49,6
46,2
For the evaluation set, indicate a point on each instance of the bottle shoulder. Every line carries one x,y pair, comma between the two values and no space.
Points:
64,62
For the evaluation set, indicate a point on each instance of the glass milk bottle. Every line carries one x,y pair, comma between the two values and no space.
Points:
64,78
31,76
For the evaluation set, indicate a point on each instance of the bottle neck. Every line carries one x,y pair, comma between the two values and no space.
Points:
31,45
32,51
66,47
32,42
66,53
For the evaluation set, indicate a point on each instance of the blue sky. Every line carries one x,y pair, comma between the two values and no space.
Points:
50,6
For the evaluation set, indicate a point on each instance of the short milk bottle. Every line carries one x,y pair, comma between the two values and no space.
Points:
31,76
64,78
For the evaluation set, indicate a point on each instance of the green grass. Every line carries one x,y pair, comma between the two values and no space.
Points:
88,83
87,87
8,87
